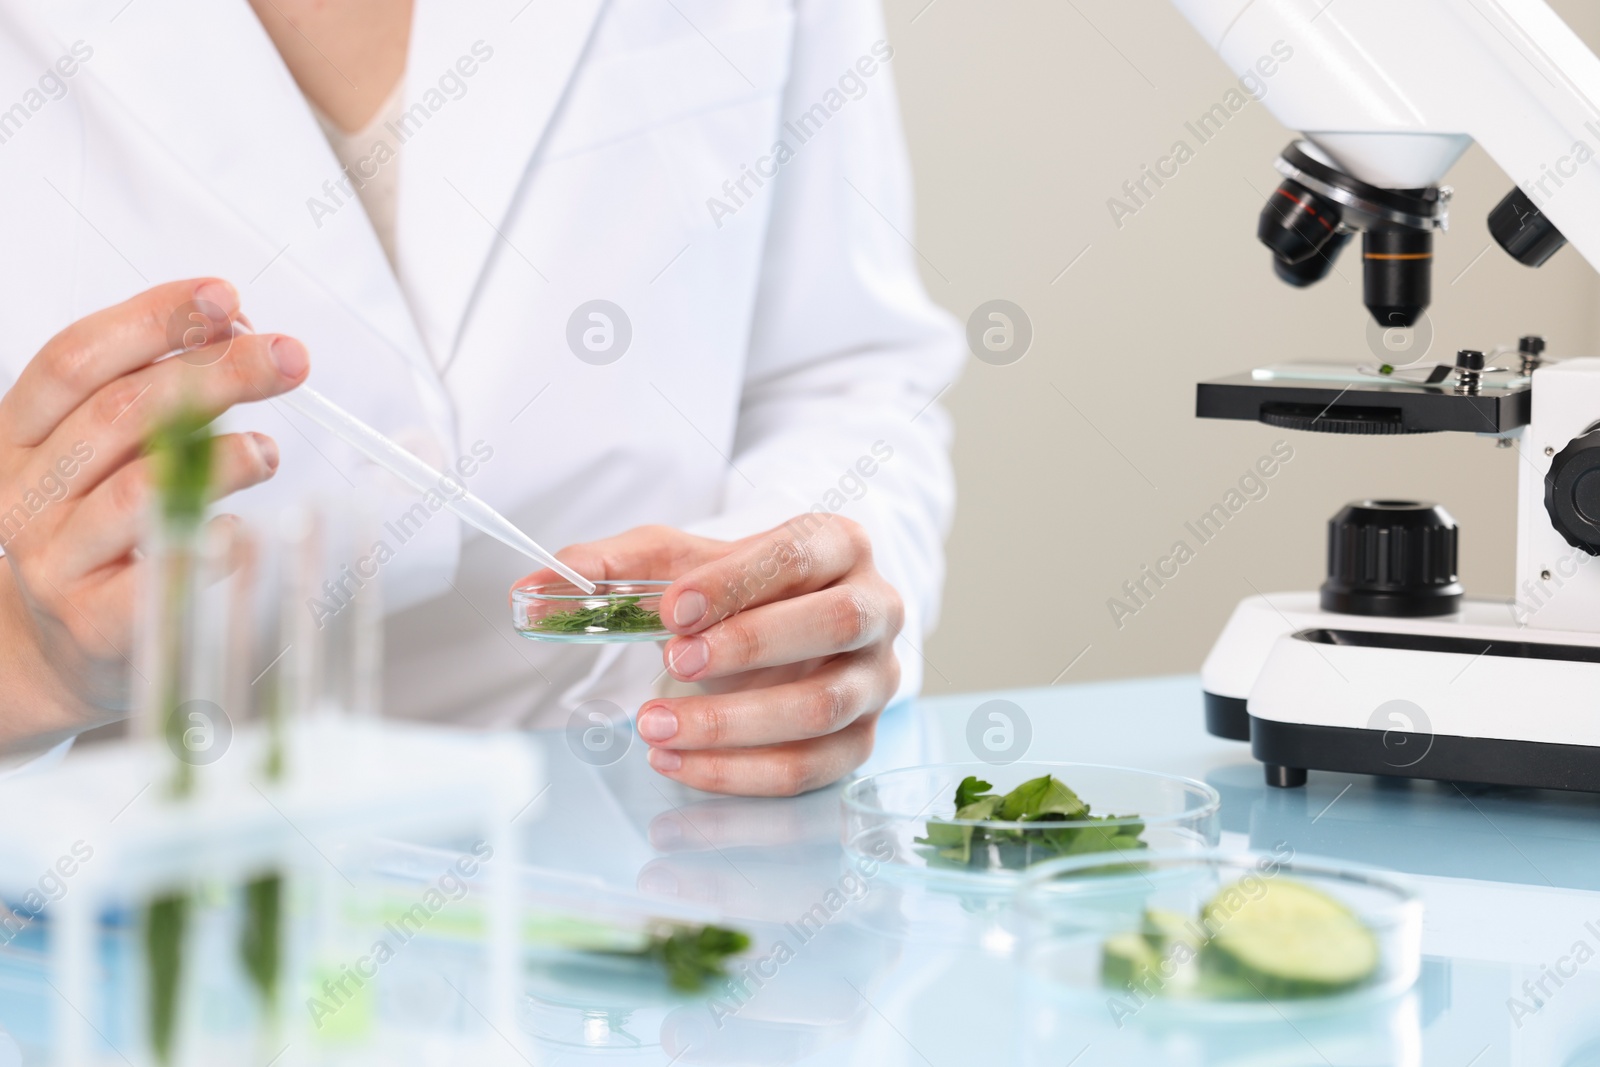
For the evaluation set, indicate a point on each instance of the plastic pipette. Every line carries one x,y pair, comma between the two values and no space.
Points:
423,478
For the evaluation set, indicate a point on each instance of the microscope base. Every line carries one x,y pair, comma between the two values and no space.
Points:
1285,747
1469,697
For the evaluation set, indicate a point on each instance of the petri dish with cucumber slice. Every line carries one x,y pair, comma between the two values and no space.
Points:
615,611
1220,935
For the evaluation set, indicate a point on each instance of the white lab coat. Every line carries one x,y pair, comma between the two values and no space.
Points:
778,334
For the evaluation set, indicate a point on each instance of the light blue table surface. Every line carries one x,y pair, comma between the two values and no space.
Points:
1509,879
905,976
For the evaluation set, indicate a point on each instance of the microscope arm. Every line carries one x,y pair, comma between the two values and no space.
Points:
1393,91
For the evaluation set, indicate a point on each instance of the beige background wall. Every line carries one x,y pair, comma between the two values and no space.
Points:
1024,117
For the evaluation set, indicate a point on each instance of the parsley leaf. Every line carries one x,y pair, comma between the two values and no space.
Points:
692,956
1064,826
970,789
1039,797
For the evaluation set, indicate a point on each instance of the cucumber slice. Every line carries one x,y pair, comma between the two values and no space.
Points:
1176,941
1162,956
1289,940
1128,959
1166,929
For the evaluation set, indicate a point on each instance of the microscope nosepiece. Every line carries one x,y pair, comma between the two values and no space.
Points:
1310,217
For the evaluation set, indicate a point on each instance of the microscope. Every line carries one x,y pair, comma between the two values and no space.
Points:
1389,669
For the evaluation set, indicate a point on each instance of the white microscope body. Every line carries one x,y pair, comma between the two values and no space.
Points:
1388,94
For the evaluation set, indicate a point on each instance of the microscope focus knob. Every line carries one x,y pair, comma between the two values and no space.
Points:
1525,232
1395,558
1572,492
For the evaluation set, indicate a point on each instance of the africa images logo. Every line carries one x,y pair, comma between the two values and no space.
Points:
1407,733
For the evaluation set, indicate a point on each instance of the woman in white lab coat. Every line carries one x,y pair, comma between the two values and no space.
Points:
626,265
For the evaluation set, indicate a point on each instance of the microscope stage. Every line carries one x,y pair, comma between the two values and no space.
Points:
1329,398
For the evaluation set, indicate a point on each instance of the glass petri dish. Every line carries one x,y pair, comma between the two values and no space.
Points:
615,611
1347,939
887,817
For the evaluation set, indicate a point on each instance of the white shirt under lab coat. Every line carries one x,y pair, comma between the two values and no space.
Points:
730,173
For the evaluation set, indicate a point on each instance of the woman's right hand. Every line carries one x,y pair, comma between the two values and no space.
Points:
74,484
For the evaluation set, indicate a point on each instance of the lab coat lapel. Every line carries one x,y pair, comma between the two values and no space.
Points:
203,79
466,156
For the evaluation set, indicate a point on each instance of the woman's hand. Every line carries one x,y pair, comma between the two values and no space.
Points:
74,483
790,633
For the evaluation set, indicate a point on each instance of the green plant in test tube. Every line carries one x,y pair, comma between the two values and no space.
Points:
261,939
181,453
165,920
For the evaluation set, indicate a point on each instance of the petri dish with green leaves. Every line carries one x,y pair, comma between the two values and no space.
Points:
615,611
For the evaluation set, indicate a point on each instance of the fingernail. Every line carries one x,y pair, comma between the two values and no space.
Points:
690,657
658,880
268,448
665,832
690,609
290,356
657,724
221,294
665,760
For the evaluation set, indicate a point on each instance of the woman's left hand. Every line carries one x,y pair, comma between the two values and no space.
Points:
790,632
